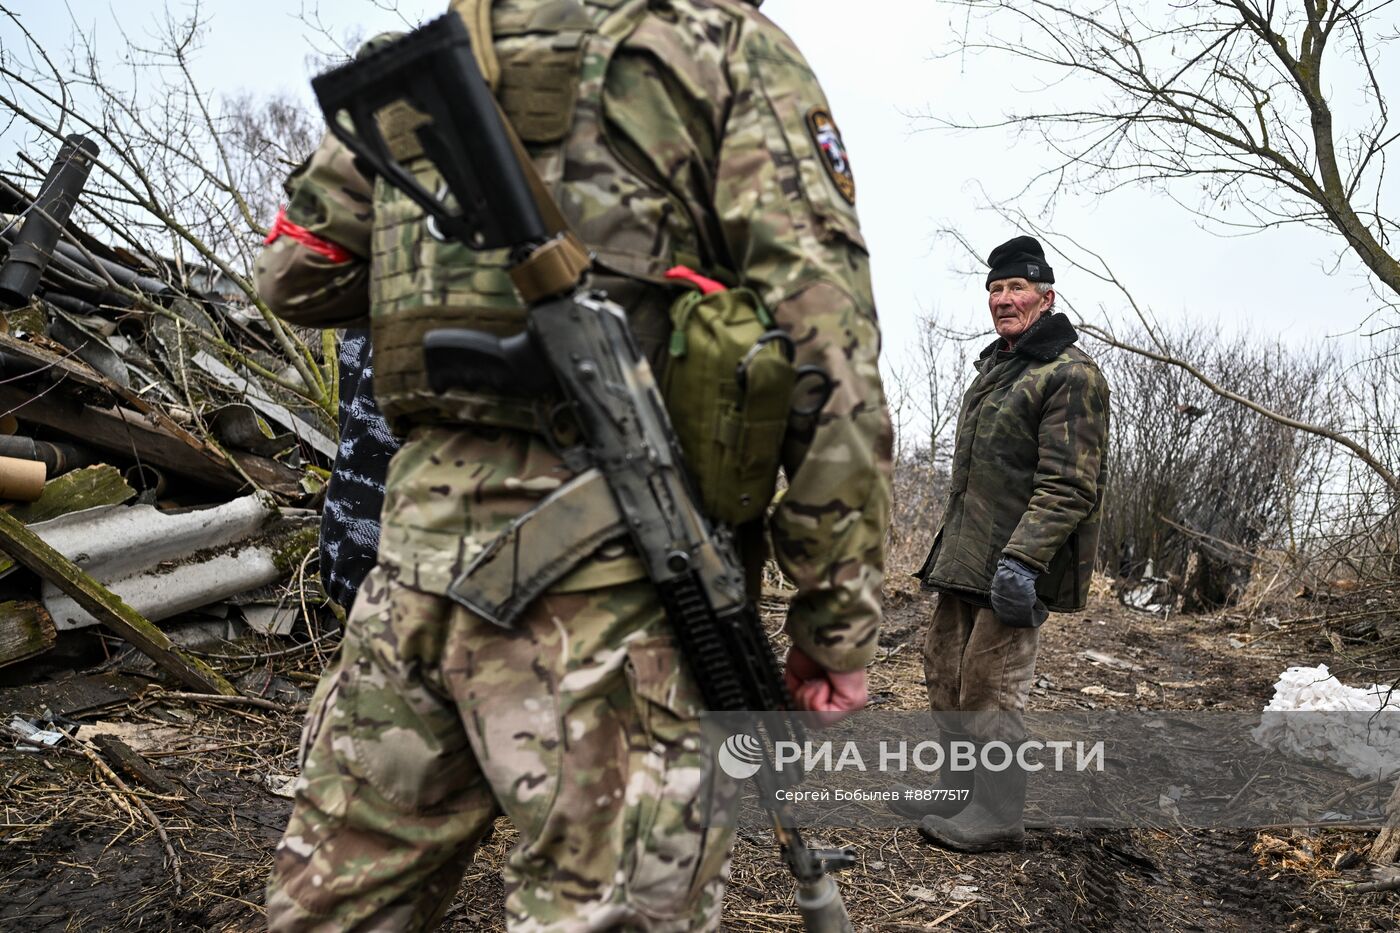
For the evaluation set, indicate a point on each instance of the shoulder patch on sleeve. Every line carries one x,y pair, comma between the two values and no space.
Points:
833,152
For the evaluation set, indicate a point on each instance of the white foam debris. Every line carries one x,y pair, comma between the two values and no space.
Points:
1366,746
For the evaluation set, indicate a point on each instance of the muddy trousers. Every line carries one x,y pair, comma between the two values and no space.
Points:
978,668
580,725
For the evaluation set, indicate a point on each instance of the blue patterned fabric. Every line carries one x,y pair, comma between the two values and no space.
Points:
355,494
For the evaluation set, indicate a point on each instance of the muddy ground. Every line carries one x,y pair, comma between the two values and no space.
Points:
77,855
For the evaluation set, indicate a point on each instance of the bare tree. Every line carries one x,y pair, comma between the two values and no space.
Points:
925,389
184,185
1222,103
265,138
1201,487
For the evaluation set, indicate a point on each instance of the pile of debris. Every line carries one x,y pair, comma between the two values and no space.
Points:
156,454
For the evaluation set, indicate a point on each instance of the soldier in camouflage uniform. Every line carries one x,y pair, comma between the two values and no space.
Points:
687,132
1018,538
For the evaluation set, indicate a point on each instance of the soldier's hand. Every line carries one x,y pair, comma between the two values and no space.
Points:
1013,595
831,694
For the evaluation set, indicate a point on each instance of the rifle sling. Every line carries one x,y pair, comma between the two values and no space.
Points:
477,15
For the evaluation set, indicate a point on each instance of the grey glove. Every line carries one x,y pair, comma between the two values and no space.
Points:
1013,595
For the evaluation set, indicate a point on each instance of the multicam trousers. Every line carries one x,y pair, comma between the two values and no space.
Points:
580,725
976,666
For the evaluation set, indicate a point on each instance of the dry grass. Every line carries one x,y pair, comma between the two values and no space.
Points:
75,855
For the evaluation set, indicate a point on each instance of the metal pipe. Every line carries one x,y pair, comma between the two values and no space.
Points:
45,218
72,304
76,278
119,273
59,458
144,477
14,367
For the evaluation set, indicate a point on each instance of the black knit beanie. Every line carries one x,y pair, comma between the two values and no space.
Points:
1019,258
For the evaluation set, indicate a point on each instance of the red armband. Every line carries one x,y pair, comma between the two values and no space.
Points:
282,226
683,274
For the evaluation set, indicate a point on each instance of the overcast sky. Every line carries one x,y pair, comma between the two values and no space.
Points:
876,59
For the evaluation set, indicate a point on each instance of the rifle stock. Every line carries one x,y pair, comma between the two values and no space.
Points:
443,103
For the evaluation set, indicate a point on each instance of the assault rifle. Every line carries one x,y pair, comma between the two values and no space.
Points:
428,87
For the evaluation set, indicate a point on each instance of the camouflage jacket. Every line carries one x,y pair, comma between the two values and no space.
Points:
1029,469
701,136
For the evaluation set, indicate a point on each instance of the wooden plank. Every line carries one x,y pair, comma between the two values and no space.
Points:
79,695
122,431
25,630
277,478
52,364
74,491
62,365
124,421
31,551
127,760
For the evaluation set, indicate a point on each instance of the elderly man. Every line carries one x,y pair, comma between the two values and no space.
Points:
1018,537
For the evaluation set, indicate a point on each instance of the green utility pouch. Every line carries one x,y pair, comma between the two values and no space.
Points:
728,386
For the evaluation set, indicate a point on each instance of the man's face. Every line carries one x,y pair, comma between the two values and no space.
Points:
1015,306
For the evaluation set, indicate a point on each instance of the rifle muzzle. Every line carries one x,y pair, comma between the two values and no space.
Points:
819,902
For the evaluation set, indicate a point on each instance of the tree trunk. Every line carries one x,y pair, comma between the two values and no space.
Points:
1387,844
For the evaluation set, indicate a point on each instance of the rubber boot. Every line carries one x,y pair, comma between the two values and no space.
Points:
952,790
992,820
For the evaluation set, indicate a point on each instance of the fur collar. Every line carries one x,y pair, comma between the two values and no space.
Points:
1045,340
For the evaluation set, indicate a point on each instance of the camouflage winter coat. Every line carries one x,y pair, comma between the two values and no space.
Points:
1029,470
689,132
